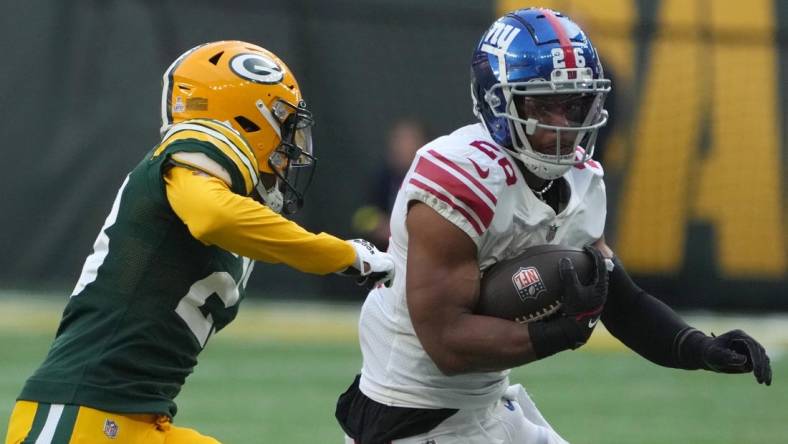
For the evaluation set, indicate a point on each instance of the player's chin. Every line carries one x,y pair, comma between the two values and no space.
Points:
550,150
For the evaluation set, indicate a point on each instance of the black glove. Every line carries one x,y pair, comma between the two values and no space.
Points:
732,352
584,303
581,307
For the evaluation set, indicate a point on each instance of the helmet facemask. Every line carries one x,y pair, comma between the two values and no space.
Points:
572,109
292,161
525,57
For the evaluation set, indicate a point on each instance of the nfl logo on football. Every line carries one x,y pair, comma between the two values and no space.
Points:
528,283
110,429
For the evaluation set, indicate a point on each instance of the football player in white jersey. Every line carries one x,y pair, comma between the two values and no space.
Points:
435,372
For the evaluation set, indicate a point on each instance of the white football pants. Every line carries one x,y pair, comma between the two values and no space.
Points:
514,419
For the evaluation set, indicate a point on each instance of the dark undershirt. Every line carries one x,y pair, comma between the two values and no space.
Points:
557,196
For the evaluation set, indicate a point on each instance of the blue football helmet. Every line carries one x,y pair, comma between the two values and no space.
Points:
531,65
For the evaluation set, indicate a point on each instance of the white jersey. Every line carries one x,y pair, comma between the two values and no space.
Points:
474,184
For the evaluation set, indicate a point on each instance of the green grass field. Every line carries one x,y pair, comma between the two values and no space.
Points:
274,375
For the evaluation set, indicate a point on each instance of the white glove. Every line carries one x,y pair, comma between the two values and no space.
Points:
372,266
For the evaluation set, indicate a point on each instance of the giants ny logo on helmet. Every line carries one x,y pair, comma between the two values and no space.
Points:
499,38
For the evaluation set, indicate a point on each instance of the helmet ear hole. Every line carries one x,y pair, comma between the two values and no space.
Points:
247,124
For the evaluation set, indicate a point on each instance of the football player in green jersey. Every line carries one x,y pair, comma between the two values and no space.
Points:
170,264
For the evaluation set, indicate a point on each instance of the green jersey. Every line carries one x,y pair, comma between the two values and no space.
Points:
149,297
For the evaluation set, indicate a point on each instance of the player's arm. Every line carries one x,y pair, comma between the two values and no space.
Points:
653,330
216,216
443,290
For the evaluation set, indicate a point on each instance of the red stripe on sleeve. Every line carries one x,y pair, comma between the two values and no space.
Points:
563,39
467,175
456,188
419,184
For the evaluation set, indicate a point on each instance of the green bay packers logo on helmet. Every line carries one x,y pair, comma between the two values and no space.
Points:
257,68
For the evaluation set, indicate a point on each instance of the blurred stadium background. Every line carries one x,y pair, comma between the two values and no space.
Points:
695,163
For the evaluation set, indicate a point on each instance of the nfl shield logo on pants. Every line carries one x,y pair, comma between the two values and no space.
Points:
110,428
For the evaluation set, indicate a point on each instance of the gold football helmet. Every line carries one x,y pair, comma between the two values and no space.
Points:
251,89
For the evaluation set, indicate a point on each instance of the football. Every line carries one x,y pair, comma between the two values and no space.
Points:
528,287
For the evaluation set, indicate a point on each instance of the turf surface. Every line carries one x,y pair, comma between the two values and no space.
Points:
255,387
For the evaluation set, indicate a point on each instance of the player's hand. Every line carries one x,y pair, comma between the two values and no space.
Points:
737,352
372,266
581,307
584,303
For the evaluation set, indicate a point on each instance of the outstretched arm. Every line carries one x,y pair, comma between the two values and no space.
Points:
217,216
653,330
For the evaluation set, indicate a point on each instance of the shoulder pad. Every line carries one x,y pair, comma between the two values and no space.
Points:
461,182
202,162
226,145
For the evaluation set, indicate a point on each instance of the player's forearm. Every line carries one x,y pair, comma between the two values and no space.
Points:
216,216
473,343
648,326
281,242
